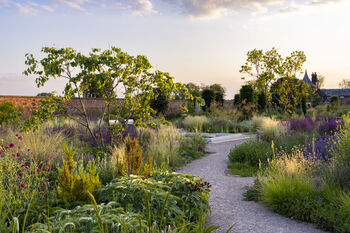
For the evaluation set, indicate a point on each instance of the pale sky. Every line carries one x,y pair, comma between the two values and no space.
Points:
200,41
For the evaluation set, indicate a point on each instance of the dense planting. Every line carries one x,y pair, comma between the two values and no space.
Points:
57,180
311,181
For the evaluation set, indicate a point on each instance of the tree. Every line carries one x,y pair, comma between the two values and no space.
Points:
133,79
237,99
345,83
288,94
94,89
208,96
266,67
161,103
45,94
248,100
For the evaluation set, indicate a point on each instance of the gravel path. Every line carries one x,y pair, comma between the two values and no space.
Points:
227,202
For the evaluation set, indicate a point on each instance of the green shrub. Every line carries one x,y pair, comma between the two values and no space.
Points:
288,142
251,152
294,197
243,169
133,156
334,102
193,147
75,181
208,95
9,113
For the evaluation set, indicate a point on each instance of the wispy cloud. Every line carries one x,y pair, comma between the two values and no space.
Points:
199,9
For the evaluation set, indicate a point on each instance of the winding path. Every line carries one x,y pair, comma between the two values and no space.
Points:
227,202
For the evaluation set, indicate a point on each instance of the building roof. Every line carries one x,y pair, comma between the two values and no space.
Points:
307,79
338,92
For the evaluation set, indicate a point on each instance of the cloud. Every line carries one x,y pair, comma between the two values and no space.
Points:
27,9
207,9
198,9
295,7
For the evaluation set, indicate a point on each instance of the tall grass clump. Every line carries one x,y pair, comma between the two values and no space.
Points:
40,145
272,129
256,122
195,123
164,148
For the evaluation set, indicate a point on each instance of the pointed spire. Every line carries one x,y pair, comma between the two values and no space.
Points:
307,79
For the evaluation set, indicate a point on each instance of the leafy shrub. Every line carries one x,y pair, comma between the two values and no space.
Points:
208,95
161,103
181,196
289,142
133,156
74,182
193,147
195,123
9,113
251,152
83,218
334,102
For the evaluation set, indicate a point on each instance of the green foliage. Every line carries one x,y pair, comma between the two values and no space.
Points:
46,111
160,103
133,156
22,179
248,99
208,96
237,100
251,152
242,169
41,145
288,94
9,113
193,147
133,77
195,123
267,67
45,94
261,101
334,102
75,181
163,147
187,199
271,129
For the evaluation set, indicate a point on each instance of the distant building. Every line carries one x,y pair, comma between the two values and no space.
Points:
343,93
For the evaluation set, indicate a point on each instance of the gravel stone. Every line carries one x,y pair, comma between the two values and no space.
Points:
226,197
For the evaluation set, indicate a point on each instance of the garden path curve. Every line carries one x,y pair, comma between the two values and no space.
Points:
226,197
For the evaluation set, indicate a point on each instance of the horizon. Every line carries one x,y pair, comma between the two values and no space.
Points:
195,41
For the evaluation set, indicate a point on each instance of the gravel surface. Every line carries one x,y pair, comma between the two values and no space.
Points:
227,202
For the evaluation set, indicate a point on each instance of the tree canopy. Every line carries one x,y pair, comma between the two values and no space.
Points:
111,74
266,67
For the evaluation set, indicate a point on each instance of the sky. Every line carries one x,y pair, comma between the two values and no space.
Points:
200,41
